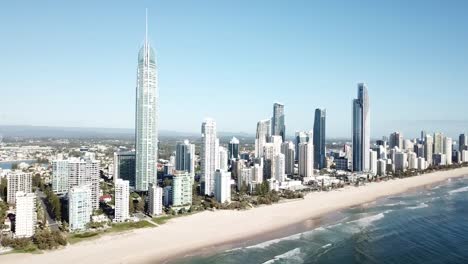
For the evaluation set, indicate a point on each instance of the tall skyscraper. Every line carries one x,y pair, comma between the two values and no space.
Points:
25,214
319,139
279,163
18,181
79,207
60,176
278,126
122,193
428,148
262,136
209,155
124,167
448,150
463,142
233,149
288,149
146,120
185,157
438,143
361,130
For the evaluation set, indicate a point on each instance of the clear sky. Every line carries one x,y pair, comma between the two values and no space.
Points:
74,64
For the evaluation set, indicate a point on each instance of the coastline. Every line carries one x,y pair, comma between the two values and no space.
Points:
211,230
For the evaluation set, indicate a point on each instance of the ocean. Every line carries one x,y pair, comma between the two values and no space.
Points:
426,225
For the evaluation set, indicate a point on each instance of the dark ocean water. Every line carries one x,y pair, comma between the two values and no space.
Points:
429,225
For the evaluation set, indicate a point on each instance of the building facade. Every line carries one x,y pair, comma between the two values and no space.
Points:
278,127
80,207
319,139
146,118
26,216
18,181
361,130
122,195
209,155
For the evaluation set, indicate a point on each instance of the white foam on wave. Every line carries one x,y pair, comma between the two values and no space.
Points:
419,206
395,204
459,190
292,255
288,238
368,220
327,245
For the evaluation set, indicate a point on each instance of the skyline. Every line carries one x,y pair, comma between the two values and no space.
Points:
319,60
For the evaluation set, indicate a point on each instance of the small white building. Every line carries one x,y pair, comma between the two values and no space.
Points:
80,207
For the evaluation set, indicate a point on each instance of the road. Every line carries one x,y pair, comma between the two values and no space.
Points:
51,223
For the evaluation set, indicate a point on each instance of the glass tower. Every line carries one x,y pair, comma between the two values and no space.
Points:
277,126
361,130
146,127
319,139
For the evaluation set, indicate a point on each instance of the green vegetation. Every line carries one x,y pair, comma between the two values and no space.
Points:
162,219
75,238
14,166
38,182
3,188
19,245
46,240
120,227
54,207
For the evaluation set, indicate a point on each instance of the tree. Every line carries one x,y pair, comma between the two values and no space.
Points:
14,166
3,189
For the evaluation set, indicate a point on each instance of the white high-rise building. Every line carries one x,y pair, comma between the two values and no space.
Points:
122,193
223,158
422,164
464,155
182,189
80,207
209,154
60,176
381,167
155,194
277,141
306,159
146,117
25,214
279,163
85,172
223,186
262,136
438,143
257,173
448,150
288,149
412,161
401,161
245,178
18,181
373,162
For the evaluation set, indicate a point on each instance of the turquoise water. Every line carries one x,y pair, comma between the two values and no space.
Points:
429,225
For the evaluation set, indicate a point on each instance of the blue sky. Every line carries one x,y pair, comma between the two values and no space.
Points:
74,64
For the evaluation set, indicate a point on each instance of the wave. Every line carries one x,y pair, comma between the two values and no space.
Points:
327,245
291,255
366,221
394,204
459,190
288,238
419,206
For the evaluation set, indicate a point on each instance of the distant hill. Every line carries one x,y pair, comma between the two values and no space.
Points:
90,132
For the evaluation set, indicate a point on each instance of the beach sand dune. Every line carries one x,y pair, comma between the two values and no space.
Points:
187,234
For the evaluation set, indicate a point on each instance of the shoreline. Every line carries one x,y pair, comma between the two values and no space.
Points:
212,231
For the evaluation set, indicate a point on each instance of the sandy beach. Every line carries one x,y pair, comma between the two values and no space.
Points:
206,229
